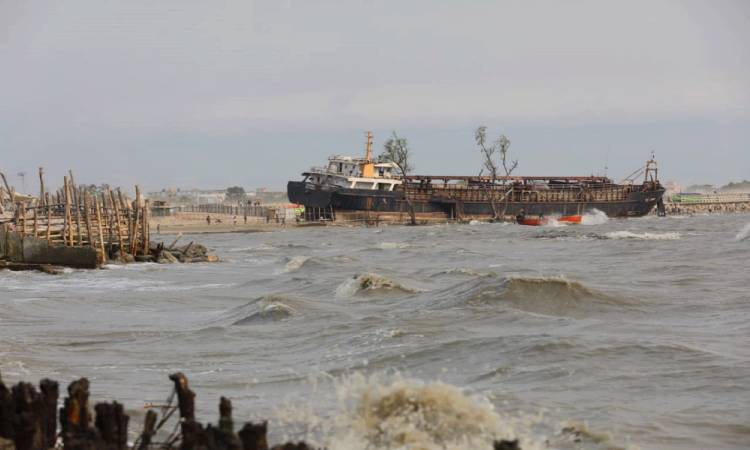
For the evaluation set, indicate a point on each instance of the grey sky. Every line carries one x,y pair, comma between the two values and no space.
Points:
212,94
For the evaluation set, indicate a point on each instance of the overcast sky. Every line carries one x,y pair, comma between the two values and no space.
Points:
217,93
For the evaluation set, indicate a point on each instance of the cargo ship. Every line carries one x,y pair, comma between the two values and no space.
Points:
348,185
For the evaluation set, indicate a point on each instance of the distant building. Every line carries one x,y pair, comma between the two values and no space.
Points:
176,196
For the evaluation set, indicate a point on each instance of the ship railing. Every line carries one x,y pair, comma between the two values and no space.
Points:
479,192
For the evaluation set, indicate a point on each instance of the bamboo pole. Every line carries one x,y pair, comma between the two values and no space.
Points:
146,228
101,231
41,187
130,231
7,188
121,199
22,216
68,222
73,189
134,241
49,224
108,216
119,225
78,220
86,199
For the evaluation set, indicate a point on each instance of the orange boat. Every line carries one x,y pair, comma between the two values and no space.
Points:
541,220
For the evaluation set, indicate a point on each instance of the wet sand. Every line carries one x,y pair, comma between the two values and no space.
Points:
195,223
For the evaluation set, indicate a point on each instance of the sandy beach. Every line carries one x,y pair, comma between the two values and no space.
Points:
196,223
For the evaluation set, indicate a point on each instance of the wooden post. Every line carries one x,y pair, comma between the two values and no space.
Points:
67,224
88,219
73,189
123,204
108,215
136,221
36,226
129,231
101,231
50,391
41,187
119,225
22,211
78,218
49,224
7,188
146,228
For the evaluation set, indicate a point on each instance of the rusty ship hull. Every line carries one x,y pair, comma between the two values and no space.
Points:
473,200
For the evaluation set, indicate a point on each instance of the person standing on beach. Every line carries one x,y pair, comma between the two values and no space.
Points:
208,220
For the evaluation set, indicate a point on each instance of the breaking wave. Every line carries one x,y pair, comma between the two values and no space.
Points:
555,295
743,234
594,217
462,271
392,245
370,282
270,308
408,414
296,263
669,236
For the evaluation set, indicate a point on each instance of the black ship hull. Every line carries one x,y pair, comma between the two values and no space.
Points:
633,204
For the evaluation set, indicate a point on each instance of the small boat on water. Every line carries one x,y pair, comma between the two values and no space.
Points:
536,221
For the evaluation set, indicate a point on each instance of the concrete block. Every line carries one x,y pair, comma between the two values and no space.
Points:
13,246
37,251
2,241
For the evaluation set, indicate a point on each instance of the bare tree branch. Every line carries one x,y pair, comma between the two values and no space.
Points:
494,157
396,151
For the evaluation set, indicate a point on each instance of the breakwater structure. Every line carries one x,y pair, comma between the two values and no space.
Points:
29,418
78,226
698,203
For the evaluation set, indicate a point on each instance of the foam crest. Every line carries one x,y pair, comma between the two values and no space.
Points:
370,282
269,308
409,414
743,234
296,263
392,245
669,236
594,217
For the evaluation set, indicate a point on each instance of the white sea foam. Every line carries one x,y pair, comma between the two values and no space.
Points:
669,236
392,245
370,282
594,217
743,234
295,263
374,413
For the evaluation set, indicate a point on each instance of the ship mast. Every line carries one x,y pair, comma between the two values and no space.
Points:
368,168
368,149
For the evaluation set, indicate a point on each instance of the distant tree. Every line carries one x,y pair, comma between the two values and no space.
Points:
495,157
396,151
235,194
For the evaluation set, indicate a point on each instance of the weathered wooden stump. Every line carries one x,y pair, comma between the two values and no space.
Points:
507,445
253,436
50,393
149,430
112,426
30,424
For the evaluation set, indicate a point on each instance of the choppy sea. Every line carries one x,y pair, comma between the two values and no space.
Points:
611,334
